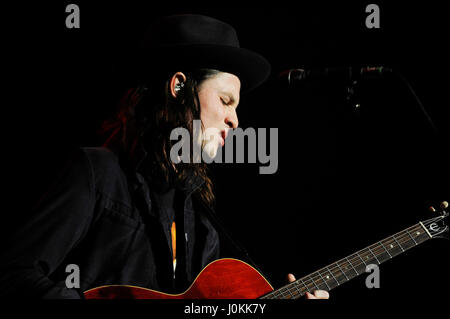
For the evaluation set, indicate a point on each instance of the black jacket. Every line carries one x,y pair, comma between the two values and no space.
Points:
100,217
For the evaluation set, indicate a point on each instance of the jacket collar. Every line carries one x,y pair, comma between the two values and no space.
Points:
139,167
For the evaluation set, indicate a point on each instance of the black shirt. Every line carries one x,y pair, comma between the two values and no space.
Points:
102,218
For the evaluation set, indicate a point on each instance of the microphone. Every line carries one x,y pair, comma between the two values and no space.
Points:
349,75
346,73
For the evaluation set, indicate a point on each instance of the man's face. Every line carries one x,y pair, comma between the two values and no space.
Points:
219,98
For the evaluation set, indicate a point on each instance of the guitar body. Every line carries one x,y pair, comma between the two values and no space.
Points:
222,279
234,279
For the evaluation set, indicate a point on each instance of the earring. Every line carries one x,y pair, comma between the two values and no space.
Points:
179,86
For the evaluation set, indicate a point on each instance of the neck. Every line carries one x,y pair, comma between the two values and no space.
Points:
353,265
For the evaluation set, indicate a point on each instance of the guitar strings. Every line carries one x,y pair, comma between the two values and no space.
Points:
380,248
389,240
316,278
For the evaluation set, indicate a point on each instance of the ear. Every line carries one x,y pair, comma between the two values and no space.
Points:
175,82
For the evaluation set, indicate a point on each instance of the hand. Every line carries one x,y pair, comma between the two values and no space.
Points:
317,294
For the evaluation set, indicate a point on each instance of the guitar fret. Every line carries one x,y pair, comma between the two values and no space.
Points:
324,280
271,295
426,230
333,276
265,296
411,237
382,245
398,244
361,259
374,255
281,294
286,292
289,293
301,290
296,289
342,271
306,287
314,282
352,266
293,290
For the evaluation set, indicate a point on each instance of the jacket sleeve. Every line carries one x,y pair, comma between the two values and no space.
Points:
55,226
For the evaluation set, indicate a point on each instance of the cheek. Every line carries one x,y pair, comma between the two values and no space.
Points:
211,112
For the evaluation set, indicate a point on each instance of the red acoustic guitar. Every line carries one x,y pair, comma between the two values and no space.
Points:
234,279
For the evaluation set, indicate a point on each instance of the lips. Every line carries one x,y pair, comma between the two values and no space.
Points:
223,136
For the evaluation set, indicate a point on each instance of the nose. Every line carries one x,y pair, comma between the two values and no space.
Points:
232,120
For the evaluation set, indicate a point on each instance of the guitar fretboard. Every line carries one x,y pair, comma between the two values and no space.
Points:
354,265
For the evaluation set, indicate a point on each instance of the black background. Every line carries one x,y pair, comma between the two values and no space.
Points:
345,179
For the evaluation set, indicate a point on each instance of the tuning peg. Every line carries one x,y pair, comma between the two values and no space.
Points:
432,209
444,205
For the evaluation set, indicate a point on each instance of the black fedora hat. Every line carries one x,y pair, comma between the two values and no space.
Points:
181,42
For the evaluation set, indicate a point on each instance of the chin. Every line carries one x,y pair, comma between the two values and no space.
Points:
210,149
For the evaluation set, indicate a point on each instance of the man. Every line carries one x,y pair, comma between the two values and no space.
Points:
117,211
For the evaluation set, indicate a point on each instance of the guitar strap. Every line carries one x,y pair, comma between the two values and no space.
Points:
209,213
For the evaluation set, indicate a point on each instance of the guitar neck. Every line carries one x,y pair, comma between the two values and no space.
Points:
353,265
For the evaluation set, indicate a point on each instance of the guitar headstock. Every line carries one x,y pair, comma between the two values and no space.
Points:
437,227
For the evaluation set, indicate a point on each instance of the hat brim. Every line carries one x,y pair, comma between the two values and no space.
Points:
250,67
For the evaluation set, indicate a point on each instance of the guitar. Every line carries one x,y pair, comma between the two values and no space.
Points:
234,279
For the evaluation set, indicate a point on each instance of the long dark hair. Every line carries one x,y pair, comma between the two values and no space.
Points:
146,115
